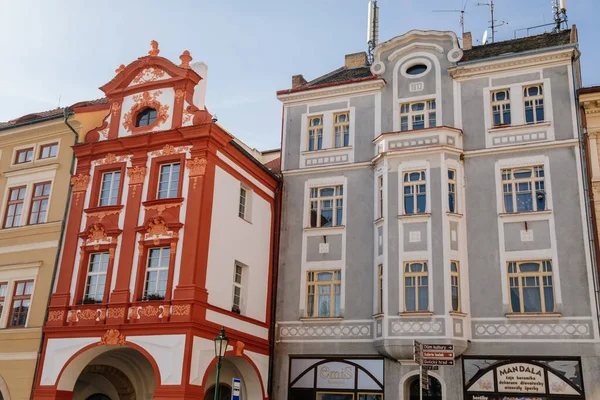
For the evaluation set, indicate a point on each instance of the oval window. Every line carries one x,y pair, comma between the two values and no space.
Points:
146,117
416,69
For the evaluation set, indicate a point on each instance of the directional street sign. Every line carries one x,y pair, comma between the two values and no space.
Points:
430,367
438,347
439,354
428,361
417,352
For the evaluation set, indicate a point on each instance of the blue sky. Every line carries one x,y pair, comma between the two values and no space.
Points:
68,48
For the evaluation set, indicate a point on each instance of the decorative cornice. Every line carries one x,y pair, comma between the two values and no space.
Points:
472,70
591,106
351,88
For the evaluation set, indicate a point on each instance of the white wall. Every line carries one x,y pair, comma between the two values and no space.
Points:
234,239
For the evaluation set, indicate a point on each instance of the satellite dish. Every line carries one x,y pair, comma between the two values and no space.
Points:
485,37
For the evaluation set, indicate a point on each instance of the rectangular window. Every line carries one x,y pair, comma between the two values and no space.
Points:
416,286
242,208
417,115
380,196
109,191
523,189
455,285
341,130
24,156
168,181
21,302
326,206
379,288
315,133
39,203
48,150
157,273
452,190
238,289
415,192
96,278
3,289
323,291
14,208
533,96
531,287
501,107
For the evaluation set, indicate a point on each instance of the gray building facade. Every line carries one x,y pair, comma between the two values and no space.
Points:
437,194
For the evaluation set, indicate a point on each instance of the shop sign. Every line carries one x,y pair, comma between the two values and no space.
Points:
335,375
520,378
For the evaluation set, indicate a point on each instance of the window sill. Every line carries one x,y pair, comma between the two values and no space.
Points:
525,213
170,200
321,319
378,315
33,226
414,216
324,228
457,314
311,152
423,314
245,220
533,315
454,214
378,220
504,128
92,210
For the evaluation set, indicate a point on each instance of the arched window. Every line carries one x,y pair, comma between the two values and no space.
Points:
224,393
434,392
145,117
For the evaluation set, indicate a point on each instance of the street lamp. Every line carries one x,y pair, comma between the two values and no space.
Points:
221,343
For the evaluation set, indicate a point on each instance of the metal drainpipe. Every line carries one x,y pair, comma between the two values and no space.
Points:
275,256
586,193
67,113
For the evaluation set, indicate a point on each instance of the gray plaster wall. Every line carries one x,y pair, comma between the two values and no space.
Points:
482,233
364,127
561,101
473,118
293,136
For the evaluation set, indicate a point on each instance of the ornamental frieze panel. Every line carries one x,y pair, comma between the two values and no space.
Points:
150,74
566,330
169,150
346,330
111,159
146,312
417,327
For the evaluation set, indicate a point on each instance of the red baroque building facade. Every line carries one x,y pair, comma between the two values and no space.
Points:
171,234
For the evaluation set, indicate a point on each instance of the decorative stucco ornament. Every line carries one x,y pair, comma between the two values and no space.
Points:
185,58
112,337
154,48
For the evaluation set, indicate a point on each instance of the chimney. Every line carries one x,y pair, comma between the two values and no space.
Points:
356,60
467,41
297,81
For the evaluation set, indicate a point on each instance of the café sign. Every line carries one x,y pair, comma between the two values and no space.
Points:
520,378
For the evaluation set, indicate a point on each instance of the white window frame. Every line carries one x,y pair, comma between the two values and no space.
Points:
455,282
111,189
452,189
338,195
406,110
380,196
341,129
90,273
380,288
241,286
534,103
513,183
158,269
416,185
503,105
170,181
314,131
417,276
245,205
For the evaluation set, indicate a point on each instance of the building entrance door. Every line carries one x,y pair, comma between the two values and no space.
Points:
434,392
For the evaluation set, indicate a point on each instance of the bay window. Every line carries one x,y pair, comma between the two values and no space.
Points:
416,286
418,115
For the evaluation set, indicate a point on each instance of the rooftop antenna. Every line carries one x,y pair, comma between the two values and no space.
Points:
462,15
560,15
373,28
493,22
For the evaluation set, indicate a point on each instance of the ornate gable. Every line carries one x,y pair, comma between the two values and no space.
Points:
153,94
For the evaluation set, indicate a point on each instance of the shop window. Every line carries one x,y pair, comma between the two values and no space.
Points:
38,211
415,192
21,302
145,117
524,189
157,273
224,392
326,206
323,294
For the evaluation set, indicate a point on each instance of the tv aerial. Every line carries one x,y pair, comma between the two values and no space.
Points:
462,15
493,23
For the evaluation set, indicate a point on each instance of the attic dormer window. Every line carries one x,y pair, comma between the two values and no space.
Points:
146,117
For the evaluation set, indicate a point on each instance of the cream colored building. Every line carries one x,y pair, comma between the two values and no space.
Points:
35,163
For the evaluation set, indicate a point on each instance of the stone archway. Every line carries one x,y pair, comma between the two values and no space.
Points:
100,373
236,367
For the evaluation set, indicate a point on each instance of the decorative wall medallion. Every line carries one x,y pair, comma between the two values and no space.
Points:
149,311
142,101
197,168
56,316
181,309
112,337
87,315
115,313
169,150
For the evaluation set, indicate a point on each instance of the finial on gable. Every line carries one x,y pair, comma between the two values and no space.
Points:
154,50
185,58
121,68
